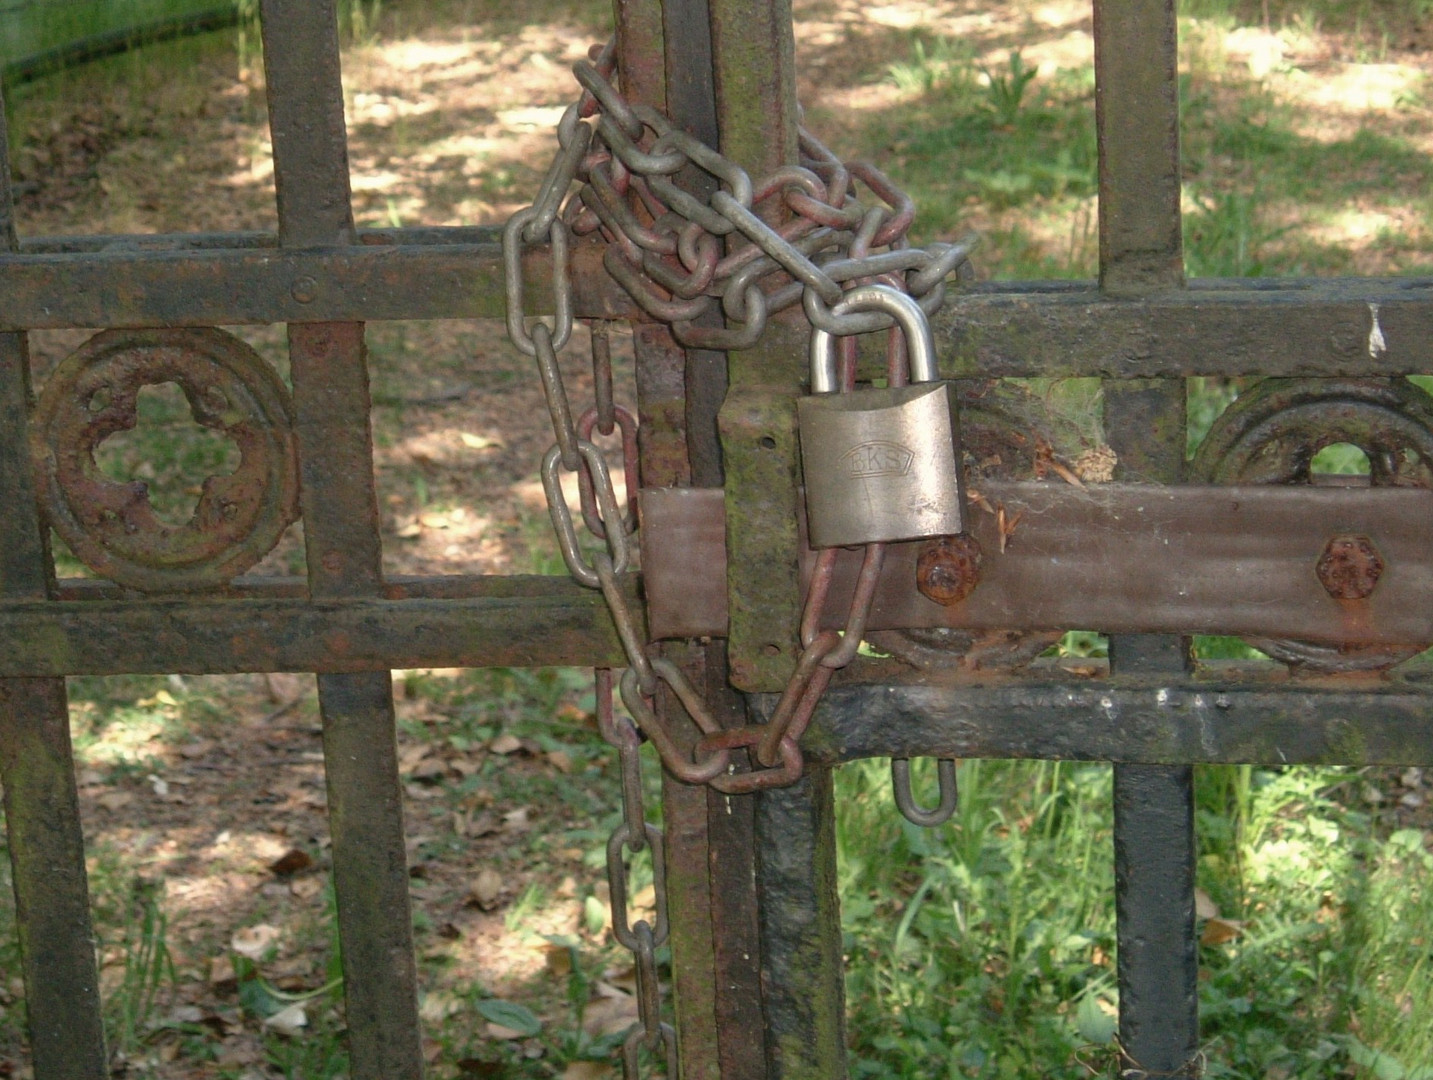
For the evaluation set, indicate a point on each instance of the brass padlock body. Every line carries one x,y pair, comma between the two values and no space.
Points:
880,465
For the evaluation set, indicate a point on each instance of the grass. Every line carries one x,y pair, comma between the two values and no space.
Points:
986,949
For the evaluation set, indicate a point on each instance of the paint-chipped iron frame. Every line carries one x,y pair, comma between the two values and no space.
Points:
755,928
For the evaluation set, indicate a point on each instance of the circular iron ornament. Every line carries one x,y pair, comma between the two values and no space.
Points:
110,525
1270,435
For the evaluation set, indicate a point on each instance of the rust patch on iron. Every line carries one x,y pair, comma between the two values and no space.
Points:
111,526
948,568
1350,567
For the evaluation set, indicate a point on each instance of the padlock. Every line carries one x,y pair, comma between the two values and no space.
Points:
880,464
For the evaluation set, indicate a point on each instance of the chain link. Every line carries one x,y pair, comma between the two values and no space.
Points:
664,247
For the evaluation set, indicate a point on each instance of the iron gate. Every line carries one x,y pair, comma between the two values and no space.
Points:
754,927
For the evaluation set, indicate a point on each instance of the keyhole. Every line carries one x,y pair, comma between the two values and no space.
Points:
169,452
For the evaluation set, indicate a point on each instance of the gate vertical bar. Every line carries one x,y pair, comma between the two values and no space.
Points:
731,819
664,450
664,49
1137,115
42,813
803,992
344,551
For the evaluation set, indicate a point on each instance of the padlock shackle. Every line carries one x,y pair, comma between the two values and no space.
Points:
920,346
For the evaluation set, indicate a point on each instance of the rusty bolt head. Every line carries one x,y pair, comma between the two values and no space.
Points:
304,289
1350,567
948,568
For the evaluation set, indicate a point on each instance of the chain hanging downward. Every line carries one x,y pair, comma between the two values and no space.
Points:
642,938
665,249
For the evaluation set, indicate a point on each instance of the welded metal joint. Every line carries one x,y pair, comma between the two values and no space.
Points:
1350,567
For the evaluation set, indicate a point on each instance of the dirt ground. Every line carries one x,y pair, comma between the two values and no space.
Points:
208,793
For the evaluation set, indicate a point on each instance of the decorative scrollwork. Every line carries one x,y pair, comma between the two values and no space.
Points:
111,526
1271,434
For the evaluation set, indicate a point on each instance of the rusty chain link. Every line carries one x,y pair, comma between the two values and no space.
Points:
665,248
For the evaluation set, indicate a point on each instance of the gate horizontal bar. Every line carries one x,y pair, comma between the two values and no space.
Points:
1329,326
188,280
1119,558
1139,719
551,622
994,329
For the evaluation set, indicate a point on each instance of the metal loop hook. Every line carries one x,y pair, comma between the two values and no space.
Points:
906,801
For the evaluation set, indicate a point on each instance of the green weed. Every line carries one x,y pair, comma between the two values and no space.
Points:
147,966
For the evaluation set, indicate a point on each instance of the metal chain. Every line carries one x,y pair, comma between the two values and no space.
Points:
665,249
636,835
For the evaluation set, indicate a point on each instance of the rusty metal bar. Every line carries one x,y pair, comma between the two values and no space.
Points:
993,329
257,285
1141,252
294,634
1121,558
1143,720
1137,123
805,1001
42,814
642,47
340,511
802,979
1214,327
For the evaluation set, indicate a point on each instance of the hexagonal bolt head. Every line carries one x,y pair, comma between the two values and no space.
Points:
1350,567
948,568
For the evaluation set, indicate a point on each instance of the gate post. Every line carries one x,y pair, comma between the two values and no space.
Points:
1141,252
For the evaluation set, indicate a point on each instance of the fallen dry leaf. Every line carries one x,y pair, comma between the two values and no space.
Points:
558,959
486,889
221,973
1218,931
291,862
505,744
587,1070
430,770
1204,905
497,1031
254,941
609,1015
285,686
306,888
198,749
516,820
560,760
115,800
288,1021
